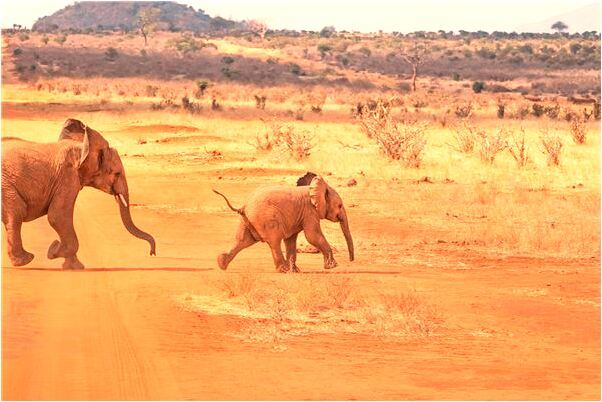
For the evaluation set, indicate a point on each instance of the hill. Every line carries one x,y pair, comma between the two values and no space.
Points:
580,20
124,15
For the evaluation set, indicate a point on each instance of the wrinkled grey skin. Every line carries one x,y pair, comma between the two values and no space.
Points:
45,179
278,213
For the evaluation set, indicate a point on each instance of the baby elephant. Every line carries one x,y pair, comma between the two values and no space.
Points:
279,213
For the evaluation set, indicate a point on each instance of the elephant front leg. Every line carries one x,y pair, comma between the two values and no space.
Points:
71,262
314,236
17,254
291,253
61,221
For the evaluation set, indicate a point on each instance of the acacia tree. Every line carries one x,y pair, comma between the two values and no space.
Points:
148,20
415,57
559,26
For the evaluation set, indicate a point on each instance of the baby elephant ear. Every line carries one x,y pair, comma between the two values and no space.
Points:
317,195
306,179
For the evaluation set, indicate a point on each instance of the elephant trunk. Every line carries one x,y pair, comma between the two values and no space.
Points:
123,199
345,228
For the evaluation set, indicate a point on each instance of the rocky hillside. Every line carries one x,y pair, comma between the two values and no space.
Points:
124,15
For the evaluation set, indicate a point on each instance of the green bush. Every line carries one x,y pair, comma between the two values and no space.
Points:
478,86
228,60
60,39
111,54
17,51
295,69
185,44
324,49
230,73
537,110
201,85
486,53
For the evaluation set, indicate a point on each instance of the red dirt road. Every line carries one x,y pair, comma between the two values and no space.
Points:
515,328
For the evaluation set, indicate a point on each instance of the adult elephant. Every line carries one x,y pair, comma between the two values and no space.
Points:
45,179
278,213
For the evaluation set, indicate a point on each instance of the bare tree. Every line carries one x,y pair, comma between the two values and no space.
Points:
148,19
258,28
415,57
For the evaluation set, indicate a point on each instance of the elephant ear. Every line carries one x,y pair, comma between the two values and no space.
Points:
92,141
73,129
318,190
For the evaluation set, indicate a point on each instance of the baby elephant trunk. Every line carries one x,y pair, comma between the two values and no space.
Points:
347,233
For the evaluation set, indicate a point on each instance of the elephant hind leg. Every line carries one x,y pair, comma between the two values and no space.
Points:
17,254
14,210
291,253
244,239
279,262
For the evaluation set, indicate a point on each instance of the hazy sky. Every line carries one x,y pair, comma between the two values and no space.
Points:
365,16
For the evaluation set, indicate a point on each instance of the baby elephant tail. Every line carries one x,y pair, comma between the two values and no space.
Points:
241,212
238,210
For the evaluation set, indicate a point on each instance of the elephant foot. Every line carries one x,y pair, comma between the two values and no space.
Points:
53,250
330,263
222,261
20,259
72,263
282,268
292,267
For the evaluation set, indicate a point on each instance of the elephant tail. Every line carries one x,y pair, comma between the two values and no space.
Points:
238,210
241,212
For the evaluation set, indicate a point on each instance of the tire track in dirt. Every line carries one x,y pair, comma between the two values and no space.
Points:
81,343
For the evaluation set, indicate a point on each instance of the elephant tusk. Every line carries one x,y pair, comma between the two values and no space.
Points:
122,199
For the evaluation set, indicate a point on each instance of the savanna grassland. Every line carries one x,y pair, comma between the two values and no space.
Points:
474,203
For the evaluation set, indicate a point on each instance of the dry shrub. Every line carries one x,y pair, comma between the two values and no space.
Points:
260,101
297,143
552,145
491,144
403,141
374,116
465,134
578,129
464,111
518,149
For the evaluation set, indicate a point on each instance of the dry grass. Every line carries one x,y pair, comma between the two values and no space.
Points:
296,305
